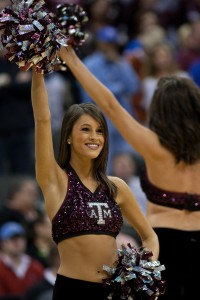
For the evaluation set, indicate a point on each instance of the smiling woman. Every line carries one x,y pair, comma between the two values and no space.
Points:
85,129
85,206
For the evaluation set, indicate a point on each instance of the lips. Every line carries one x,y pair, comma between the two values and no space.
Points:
93,146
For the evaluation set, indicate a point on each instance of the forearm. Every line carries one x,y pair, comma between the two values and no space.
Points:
152,244
44,154
92,86
39,97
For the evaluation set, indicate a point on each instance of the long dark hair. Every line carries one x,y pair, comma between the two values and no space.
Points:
174,115
73,113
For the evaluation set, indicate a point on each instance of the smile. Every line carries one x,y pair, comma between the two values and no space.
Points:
93,146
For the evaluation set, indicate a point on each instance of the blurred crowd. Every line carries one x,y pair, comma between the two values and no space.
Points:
130,44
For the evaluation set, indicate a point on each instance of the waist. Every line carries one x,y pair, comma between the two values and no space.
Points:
167,217
83,257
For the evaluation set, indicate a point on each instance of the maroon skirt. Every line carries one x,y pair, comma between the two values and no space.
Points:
66,288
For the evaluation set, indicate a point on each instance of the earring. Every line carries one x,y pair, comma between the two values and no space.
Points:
69,142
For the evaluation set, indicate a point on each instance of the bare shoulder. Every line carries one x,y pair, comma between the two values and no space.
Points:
124,193
120,183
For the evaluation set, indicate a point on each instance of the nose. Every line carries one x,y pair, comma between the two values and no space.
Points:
92,138
93,135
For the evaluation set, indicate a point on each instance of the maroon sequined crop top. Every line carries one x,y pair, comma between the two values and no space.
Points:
83,212
176,200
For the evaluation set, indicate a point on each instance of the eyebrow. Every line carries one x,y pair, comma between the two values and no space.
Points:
85,124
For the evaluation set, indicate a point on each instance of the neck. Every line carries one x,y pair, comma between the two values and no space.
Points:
83,169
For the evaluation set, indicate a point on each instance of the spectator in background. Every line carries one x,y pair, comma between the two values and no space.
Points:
41,242
136,51
99,13
18,271
22,204
183,34
194,71
169,13
190,51
43,290
191,10
117,74
16,119
126,167
161,62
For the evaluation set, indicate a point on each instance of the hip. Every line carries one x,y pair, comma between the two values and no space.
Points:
71,288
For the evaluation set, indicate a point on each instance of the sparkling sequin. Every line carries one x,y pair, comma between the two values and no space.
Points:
176,200
135,275
33,30
84,212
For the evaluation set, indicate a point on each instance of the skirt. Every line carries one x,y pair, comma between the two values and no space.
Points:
66,288
179,252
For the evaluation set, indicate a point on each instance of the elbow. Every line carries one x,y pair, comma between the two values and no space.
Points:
42,116
110,102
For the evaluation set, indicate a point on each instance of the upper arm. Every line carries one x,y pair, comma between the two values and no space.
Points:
44,154
141,138
131,210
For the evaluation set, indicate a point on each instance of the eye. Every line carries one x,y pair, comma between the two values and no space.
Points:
85,129
100,131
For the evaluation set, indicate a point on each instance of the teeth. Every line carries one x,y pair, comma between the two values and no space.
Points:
93,146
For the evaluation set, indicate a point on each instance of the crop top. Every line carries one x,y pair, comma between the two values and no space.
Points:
83,212
176,200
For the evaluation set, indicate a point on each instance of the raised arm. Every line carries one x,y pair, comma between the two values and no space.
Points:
44,153
141,138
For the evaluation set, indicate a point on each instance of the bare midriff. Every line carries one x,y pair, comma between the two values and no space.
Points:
160,216
83,257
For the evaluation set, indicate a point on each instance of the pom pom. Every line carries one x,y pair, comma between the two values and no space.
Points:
71,18
31,36
135,276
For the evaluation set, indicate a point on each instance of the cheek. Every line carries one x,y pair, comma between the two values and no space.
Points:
77,143
78,139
